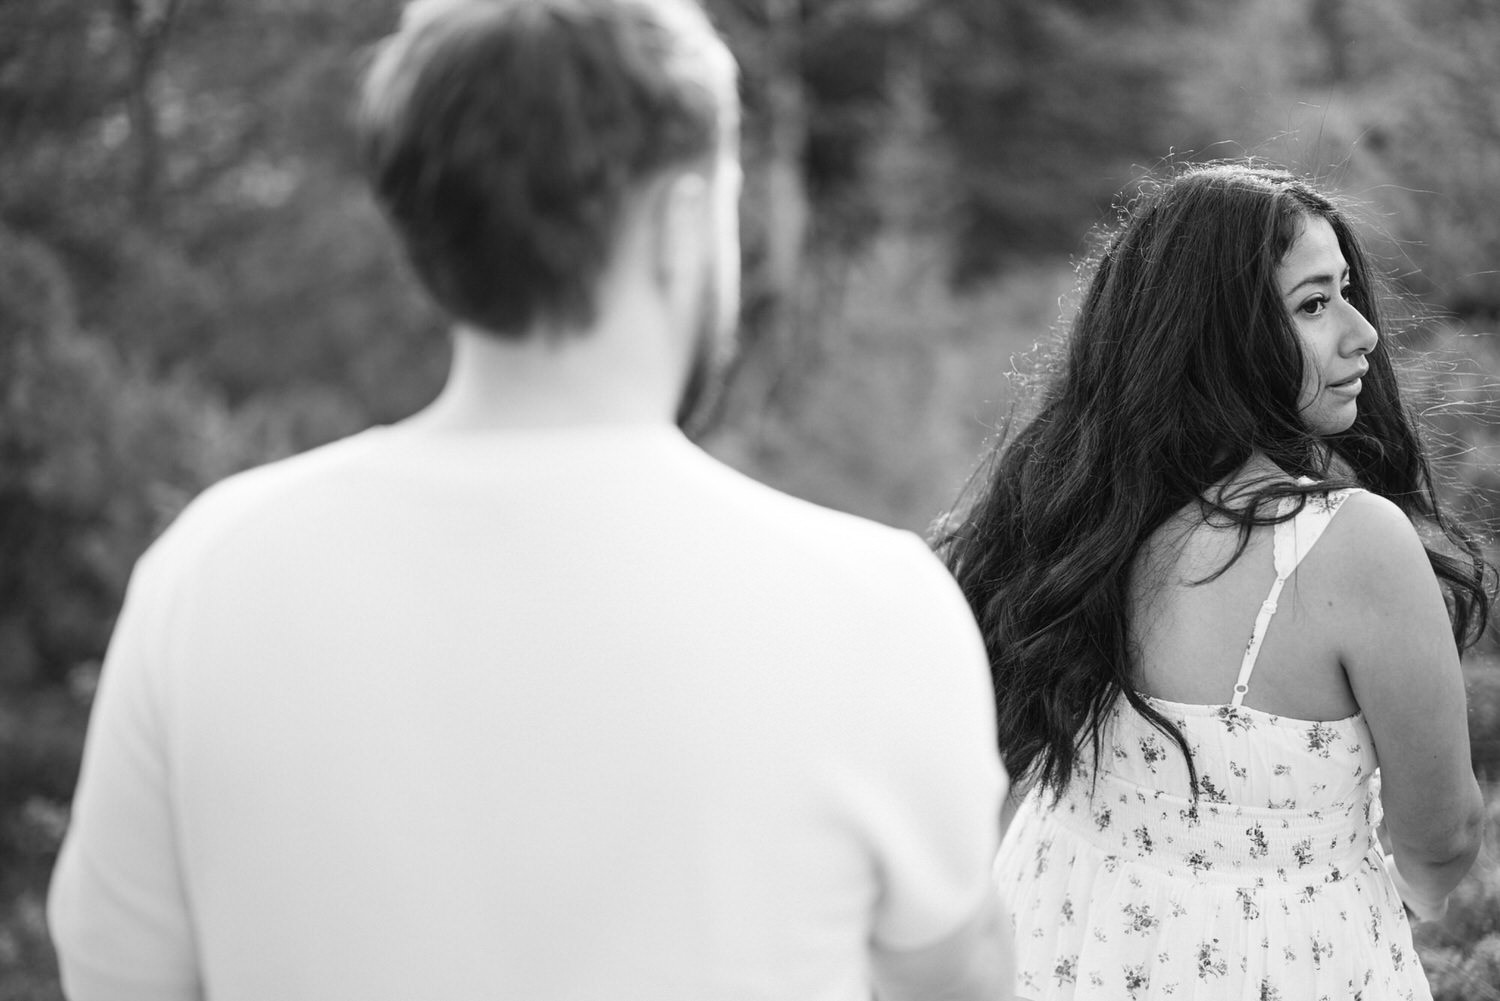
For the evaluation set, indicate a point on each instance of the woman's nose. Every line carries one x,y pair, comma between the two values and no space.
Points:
1359,333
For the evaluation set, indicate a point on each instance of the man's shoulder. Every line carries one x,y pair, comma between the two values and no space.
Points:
814,538
766,508
241,499
870,598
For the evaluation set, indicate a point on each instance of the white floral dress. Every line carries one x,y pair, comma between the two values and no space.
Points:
1269,887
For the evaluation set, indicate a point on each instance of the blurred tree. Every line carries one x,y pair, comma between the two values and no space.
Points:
1431,122
260,262
1330,19
1047,109
95,455
144,24
817,83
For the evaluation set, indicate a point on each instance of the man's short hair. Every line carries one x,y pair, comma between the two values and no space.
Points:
502,137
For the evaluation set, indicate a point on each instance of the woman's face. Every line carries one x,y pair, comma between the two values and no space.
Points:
1313,279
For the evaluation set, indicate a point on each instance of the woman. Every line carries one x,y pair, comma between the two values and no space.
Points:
1198,694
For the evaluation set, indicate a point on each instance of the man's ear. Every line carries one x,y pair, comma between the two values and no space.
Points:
679,230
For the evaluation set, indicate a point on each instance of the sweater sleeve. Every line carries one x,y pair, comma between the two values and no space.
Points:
117,907
935,815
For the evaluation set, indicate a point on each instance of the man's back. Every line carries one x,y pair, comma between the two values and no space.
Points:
571,713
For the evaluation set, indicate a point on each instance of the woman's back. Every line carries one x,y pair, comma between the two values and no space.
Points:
1263,879
1193,605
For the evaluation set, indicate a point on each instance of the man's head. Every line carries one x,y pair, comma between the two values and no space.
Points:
509,139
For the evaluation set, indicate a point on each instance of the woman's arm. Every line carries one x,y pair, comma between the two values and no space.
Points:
1397,648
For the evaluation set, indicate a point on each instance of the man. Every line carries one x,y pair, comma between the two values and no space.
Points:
526,697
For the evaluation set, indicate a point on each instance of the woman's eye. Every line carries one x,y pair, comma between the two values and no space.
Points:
1313,306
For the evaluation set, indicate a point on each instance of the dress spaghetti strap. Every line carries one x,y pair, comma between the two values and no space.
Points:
1291,541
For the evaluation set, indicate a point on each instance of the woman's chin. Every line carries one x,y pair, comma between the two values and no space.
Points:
1332,420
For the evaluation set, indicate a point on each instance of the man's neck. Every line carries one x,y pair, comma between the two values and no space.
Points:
551,379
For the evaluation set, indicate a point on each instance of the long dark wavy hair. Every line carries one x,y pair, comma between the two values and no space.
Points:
1181,362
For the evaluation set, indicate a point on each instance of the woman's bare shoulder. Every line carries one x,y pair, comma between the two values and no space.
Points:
1370,537
1374,587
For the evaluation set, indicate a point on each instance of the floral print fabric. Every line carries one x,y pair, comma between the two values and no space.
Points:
1268,885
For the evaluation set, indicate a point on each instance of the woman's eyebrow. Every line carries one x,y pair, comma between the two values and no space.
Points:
1324,279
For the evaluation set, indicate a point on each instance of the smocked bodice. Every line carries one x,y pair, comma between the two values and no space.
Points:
1243,756
1276,799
